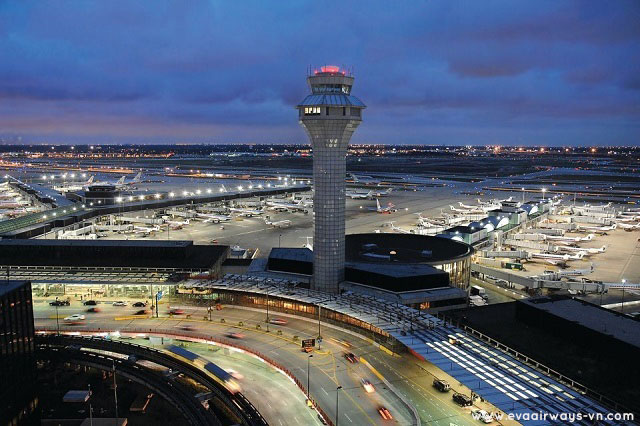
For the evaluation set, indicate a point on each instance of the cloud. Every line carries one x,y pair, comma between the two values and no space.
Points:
235,71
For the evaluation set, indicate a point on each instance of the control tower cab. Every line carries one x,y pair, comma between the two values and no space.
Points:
330,115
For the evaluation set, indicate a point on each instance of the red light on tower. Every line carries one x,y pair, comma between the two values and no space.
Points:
330,69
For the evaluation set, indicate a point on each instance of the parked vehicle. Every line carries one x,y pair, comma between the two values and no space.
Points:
59,303
89,303
120,303
462,400
441,385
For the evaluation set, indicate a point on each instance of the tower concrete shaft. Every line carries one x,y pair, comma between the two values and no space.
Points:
330,115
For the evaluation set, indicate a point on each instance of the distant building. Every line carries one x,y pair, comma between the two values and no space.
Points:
18,387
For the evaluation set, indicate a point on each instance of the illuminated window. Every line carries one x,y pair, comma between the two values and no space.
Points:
311,110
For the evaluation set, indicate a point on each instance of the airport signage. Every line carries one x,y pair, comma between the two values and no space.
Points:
308,343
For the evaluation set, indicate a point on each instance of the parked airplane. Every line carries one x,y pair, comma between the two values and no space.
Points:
557,259
385,210
467,211
145,229
356,195
278,223
627,227
569,240
177,224
397,229
287,206
586,251
598,229
74,186
122,183
246,212
215,218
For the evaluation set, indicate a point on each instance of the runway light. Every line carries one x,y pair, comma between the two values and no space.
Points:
44,177
130,198
239,188
44,216
158,196
171,194
221,189
141,197
185,193
119,200
198,192
208,190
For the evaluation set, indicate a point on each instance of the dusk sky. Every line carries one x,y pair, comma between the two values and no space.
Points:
431,72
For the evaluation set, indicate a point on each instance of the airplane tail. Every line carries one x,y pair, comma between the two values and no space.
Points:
614,226
137,178
120,181
223,188
90,181
354,177
378,205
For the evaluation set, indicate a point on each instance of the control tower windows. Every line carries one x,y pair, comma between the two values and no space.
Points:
311,110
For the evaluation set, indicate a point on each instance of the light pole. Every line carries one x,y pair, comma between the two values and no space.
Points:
279,239
90,408
308,385
337,393
319,335
522,195
267,321
115,390
543,191
622,307
57,319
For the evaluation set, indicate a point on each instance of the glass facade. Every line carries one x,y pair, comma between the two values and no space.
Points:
459,272
18,387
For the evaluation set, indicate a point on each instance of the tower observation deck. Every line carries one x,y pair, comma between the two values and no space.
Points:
330,115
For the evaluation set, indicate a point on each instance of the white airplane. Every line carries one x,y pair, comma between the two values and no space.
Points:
246,212
480,209
176,223
215,218
598,229
356,195
367,180
79,186
556,259
278,223
466,211
286,206
397,229
570,273
629,227
145,229
586,251
569,240
121,183
384,210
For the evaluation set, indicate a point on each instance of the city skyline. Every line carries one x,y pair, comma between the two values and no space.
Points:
550,73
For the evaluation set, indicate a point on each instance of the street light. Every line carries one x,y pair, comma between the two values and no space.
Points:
522,195
337,393
543,191
622,307
308,385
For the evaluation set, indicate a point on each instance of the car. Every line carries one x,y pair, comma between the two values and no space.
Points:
278,321
186,327
94,310
482,415
59,303
235,335
120,303
74,317
384,413
176,312
307,349
462,400
367,385
89,303
351,357
143,312
140,305
441,385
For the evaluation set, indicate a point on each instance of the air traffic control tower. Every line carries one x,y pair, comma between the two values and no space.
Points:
330,115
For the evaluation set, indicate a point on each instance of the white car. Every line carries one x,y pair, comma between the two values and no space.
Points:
368,387
482,415
75,317
120,303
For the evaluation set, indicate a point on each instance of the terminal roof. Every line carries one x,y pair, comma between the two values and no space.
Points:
617,325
